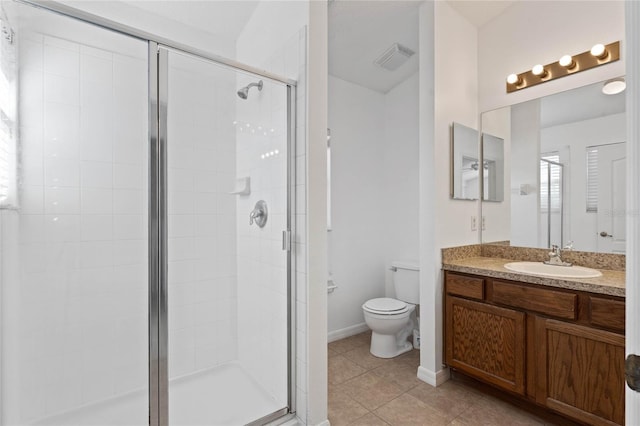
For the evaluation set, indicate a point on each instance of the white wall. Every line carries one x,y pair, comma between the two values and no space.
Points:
316,224
444,222
356,251
374,194
269,29
531,32
456,93
573,139
497,215
401,176
525,145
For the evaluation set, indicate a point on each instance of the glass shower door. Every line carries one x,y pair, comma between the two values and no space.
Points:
227,207
73,240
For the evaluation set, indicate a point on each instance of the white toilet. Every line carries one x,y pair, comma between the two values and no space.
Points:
390,319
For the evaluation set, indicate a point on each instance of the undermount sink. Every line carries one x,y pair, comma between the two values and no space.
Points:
539,268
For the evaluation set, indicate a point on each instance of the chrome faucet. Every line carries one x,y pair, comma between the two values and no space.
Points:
555,257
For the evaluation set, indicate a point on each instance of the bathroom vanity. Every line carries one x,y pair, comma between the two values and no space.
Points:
557,343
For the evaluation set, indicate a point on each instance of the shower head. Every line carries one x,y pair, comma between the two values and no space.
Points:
244,92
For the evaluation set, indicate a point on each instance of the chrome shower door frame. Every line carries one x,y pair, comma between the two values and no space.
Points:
158,237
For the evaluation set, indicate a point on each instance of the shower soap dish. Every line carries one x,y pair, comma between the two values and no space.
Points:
243,186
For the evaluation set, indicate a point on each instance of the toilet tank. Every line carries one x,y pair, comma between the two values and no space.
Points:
406,281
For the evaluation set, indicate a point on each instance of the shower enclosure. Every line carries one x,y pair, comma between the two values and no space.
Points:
137,286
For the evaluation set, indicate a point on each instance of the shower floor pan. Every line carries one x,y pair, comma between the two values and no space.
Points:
222,396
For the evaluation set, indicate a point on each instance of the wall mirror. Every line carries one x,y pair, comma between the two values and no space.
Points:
565,168
465,168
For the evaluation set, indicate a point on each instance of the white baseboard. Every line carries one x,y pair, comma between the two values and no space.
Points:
434,378
347,332
324,423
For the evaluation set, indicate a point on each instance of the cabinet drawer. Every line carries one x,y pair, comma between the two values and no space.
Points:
549,302
462,285
606,313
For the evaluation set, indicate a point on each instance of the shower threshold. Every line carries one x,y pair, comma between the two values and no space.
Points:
225,395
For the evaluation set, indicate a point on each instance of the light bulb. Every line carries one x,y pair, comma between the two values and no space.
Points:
538,70
513,78
599,51
567,61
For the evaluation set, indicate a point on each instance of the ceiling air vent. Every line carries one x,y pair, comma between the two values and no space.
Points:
394,56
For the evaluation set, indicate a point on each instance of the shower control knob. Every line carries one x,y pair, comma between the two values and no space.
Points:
259,214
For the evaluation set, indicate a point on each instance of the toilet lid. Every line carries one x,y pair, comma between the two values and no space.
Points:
385,305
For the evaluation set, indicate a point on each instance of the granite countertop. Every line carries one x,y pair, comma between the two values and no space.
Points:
610,283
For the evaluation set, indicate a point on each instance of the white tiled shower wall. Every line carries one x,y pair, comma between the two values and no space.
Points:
202,215
76,329
262,289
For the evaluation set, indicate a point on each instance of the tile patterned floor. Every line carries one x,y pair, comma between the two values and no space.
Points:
369,391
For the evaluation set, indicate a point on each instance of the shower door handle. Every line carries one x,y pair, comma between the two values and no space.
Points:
286,240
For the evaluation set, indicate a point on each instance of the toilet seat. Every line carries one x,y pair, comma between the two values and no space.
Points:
385,306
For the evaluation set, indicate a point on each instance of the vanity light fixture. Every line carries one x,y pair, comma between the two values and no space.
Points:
599,54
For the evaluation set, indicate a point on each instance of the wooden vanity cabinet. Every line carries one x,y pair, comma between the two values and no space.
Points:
558,348
486,341
580,371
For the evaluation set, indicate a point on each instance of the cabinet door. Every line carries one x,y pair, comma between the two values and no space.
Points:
487,342
581,371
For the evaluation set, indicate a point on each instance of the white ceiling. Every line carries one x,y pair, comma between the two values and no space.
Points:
360,31
579,104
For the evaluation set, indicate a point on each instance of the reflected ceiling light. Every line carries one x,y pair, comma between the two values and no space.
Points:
567,62
614,86
599,51
539,71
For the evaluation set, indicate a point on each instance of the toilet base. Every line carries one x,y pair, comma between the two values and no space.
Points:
385,346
